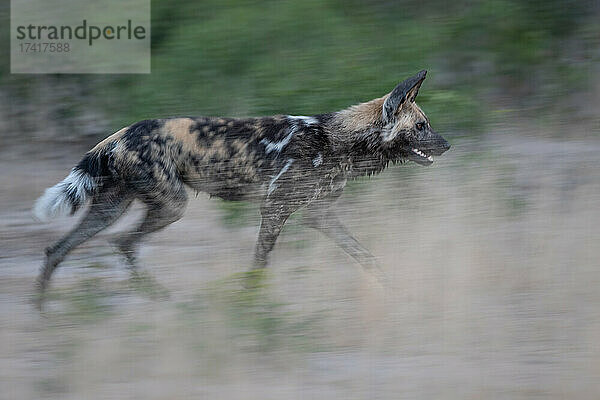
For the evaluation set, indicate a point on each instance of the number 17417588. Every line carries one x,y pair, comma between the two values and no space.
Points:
44,47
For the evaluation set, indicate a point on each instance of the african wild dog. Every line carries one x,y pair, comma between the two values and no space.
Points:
285,162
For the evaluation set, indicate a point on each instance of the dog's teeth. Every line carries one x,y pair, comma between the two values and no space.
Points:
419,152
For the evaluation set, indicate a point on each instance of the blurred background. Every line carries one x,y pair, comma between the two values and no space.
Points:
492,252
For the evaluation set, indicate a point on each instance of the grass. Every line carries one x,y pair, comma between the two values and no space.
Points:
252,315
87,301
243,58
93,299
145,284
236,213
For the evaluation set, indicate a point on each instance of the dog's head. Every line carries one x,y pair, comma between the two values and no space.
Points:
406,132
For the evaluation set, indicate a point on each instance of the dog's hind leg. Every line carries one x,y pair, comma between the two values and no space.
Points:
106,207
163,208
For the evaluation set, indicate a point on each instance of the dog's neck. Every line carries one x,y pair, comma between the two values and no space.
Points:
355,133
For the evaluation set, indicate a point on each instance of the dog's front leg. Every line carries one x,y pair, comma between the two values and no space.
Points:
321,216
273,219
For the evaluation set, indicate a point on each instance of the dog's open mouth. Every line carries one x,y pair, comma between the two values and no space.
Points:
421,157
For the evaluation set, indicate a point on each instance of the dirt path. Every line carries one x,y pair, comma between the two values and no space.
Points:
492,255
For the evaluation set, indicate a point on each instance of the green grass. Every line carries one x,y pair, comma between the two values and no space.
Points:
145,284
244,58
88,301
237,213
240,58
92,300
256,320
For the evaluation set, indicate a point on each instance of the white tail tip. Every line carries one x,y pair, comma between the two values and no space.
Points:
60,199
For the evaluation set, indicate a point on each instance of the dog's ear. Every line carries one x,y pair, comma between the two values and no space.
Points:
405,91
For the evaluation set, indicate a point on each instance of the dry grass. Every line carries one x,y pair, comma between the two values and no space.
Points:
492,256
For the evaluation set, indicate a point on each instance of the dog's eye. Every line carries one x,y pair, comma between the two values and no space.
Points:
420,125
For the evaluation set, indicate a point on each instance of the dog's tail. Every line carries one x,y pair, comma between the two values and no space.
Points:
69,195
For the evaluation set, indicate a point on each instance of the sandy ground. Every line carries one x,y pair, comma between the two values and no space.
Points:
492,255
